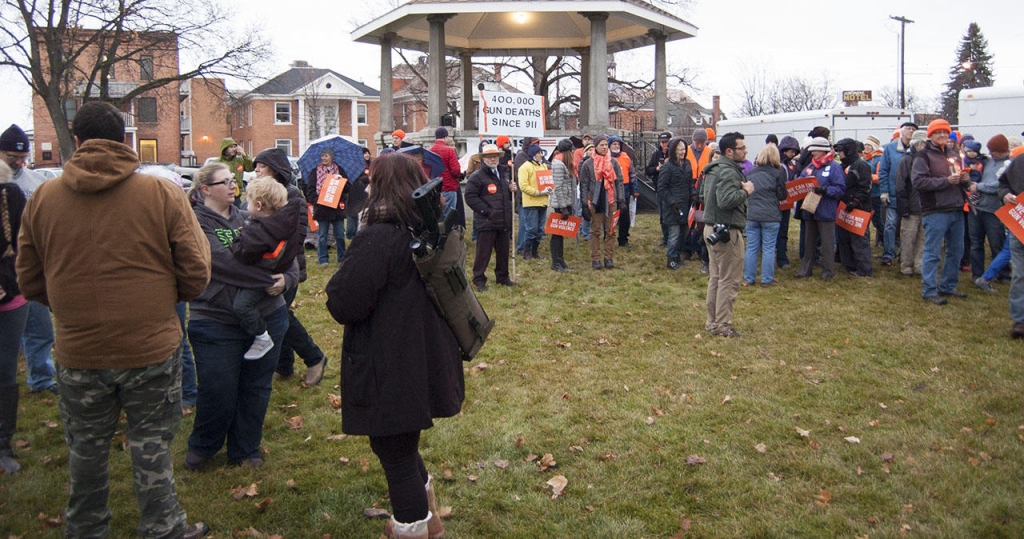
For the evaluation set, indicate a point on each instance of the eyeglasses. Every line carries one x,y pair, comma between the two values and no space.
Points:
740,148
222,182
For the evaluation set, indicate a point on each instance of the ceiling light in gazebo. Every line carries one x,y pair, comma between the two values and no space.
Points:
520,17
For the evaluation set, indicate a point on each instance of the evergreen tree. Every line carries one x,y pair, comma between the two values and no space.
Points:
973,69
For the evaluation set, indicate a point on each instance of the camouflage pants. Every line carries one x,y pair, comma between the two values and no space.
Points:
91,401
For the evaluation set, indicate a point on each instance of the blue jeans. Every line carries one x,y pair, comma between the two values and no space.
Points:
1017,282
999,263
233,393
948,227
532,217
38,343
761,238
981,226
352,227
585,225
451,199
12,325
188,363
892,223
322,236
673,242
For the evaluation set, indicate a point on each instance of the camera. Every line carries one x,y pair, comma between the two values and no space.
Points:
719,233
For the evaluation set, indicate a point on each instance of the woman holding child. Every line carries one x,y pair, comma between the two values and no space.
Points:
233,392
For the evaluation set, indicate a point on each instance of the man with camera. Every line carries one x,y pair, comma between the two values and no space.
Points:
724,192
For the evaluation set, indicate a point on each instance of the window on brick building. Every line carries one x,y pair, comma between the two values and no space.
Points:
361,114
146,112
70,109
146,68
282,113
285,144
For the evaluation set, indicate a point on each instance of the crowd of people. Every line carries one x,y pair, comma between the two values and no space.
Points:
238,267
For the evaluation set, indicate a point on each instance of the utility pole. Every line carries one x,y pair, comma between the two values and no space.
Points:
903,31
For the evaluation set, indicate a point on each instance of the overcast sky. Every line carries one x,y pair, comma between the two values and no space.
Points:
855,42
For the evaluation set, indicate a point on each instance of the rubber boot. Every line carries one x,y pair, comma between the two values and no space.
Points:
413,530
8,422
435,528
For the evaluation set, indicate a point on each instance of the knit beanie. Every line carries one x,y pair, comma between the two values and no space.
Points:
14,140
699,135
502,140
998,144
533,150
938,124
440,133
599,138
1017,151
710,133
819,144
398,133
973,146
918,136
873,141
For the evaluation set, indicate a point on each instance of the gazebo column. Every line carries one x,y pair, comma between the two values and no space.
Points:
387,95
585,87
468,116
437,70
598,79
660,81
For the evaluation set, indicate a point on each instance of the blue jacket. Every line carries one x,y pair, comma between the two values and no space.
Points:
876,188
891,155
832,178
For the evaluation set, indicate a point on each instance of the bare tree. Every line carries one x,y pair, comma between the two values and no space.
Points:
889,96
763,94
69,49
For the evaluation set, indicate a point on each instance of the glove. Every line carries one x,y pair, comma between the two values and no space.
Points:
853,204
586,213
548,191
820,190
566,212
885,198
675,209
694,199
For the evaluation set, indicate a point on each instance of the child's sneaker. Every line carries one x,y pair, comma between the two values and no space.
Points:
260,346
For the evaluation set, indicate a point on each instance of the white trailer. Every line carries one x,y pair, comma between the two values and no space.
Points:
844,122
985,112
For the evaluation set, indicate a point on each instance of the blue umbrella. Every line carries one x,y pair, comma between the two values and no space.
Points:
430,158
348,156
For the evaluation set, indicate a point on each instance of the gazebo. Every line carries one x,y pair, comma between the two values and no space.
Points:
488,28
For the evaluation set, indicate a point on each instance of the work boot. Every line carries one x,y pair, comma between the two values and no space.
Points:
413,530
533,250
8,422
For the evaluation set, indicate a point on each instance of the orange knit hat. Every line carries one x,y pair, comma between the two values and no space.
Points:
938,124
502,140
711,133
398,133
1016,151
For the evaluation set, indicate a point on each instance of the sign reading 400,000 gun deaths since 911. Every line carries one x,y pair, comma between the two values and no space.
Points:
511,114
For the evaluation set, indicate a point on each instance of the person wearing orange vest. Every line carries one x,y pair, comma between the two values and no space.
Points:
629,186
699,156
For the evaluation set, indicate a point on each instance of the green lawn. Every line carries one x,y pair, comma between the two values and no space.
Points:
612,373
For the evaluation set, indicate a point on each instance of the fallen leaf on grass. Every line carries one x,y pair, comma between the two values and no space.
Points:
887,457
240,492
773,477
547,461
984,455
575,448
335,401
561,344
290,483
852,439
530,458
874,423
263,504
286,406
602,340
694,460
343,460
803,433
21,444
823,498
727,399
295,423
364,465
657,411
520,441
973,461
50,424
815,445
990,422
472,478
860,471
872,520
447,475
684,527
337,437
760,448
649,420
607,457
501,464
557,484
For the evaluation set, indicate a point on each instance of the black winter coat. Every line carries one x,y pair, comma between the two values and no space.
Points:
858,184
675,185
15,200
323,213
264,235
490,200
907,201
400,364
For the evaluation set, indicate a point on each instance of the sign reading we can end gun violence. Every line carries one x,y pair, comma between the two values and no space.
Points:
1012,215
796,190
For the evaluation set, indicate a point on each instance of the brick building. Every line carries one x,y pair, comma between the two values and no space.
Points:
203,117
151,118
301,105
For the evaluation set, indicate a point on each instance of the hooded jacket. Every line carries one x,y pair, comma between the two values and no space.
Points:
832,178
908,202
111,251
260,241
237,165
930,174
675,185
725,200
277,160
1012,178
858,177
452,169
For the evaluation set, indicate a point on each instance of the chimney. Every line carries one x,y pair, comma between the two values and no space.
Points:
300,63
716,111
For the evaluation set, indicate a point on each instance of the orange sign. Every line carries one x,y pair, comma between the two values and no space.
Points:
1012,215
544,180
854,221
615,220
796,190
330,191
313,225
562,227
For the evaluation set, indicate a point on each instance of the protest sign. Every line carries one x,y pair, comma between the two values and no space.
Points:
330,191
562,227
503,113
545,180
1012,215
853,221
796,190
313,225
615,220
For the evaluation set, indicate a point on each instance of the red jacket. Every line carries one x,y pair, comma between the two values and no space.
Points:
452,170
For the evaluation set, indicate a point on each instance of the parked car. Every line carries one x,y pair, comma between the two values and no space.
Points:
51,172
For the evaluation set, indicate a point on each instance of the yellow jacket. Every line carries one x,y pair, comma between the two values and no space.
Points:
528,184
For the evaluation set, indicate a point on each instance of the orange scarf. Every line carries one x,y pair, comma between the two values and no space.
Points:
605,174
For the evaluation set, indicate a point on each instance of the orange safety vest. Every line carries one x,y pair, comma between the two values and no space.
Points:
624,163
696,166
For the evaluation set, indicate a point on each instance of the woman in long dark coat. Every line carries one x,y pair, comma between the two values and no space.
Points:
675,185
401,366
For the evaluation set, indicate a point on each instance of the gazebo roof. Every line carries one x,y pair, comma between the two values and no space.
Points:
520,28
